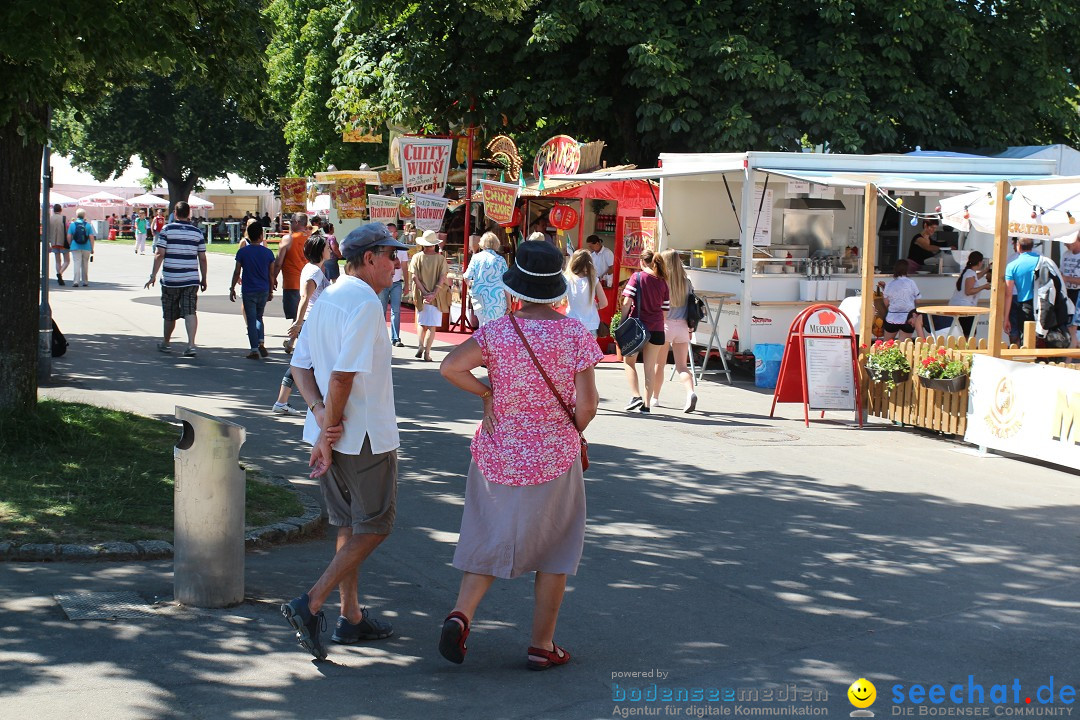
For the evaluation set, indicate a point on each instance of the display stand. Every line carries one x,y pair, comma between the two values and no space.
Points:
820,366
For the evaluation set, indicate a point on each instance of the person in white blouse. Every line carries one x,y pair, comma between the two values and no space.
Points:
603,259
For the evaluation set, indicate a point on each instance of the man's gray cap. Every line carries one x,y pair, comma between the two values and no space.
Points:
367,237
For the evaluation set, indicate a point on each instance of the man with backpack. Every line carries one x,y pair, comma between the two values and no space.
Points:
81,242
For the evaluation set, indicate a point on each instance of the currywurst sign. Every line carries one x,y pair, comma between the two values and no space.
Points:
425,164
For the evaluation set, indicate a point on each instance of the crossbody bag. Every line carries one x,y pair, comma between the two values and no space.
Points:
551,386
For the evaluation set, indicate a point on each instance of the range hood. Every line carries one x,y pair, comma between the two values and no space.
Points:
808,203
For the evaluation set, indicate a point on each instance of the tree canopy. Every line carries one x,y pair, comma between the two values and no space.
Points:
730,75
183,135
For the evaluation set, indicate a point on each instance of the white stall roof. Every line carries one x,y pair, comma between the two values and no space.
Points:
895,172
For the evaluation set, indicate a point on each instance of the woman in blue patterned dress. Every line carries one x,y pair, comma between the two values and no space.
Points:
484,275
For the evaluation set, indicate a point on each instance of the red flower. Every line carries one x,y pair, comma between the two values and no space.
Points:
941,351
879,343
890,343
863,346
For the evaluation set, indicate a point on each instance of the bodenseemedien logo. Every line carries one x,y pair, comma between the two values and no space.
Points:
862,695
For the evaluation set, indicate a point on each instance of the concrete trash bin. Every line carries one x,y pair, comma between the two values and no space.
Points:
208,512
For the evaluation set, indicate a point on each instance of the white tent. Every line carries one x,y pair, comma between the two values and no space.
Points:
320,205
147,200
101,199
1043,212
56,198
197,202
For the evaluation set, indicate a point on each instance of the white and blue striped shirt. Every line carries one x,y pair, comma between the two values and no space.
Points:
182,242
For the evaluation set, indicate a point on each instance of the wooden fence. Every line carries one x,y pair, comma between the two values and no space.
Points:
912,404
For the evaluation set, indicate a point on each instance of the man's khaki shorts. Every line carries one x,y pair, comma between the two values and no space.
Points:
361,491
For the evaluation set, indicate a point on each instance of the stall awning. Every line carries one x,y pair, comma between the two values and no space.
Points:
657,173
925,182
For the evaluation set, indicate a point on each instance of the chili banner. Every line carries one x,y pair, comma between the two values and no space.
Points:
425,164
638,234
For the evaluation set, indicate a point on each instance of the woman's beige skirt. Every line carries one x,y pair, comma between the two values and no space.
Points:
508,530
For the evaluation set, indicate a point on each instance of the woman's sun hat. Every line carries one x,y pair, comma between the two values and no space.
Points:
428,239
537,273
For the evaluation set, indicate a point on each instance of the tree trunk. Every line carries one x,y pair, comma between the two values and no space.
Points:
179,189
20,261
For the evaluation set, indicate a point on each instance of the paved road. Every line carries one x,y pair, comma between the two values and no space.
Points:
725,549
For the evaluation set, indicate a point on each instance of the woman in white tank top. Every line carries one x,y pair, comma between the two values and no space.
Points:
584,297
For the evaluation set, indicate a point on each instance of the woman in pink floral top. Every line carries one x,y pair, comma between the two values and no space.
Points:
525,492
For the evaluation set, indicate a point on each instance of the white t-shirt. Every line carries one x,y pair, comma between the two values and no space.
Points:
901,292
403,260
603,261
962,298
313,272
346,332
1070,265
582,302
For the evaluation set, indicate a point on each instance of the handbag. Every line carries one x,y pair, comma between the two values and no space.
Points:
695,310
551,386
631,334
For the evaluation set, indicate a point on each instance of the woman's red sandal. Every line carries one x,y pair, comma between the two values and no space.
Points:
455,630
540,659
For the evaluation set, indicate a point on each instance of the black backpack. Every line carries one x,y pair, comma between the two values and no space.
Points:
59,342
79,235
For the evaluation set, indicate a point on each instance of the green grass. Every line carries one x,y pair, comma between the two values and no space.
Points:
220,248
74,473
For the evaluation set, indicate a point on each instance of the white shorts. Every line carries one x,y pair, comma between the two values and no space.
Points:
676,331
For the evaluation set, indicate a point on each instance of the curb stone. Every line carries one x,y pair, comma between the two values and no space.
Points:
294,528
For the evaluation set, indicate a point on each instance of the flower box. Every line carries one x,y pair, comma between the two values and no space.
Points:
953,384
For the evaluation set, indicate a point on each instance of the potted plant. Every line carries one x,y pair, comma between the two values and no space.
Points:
939,372
885,362
615,320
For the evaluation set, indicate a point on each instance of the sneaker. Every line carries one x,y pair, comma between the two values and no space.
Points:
635,403
644,410
253,355
368,628
398,343
60,278
691,403
288,345
190,352
308,627
163,347
263,351
285,409
655,402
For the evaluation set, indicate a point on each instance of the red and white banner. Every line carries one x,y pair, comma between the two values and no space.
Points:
499,200
428,211
425,164
382,208
350,198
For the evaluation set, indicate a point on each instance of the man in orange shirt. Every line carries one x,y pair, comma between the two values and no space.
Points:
290,262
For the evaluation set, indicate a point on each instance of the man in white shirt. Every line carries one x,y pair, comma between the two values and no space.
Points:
341,366
603,259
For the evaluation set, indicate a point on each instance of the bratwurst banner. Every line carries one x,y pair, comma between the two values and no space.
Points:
429,211
425,164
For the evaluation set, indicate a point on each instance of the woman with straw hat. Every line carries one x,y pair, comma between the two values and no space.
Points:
525,492
431,296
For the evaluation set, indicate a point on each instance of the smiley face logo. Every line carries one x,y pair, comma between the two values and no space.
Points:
862,693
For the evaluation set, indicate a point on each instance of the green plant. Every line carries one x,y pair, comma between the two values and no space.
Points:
615,320
883,359
941,367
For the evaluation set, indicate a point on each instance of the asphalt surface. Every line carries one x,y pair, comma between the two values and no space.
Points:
726,552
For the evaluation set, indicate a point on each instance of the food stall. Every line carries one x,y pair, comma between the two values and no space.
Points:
793,235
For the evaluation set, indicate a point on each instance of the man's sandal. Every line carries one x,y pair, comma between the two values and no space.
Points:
540,659
455,630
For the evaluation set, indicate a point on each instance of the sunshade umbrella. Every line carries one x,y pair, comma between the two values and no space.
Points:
1041,212
147,200
101,199
197,202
